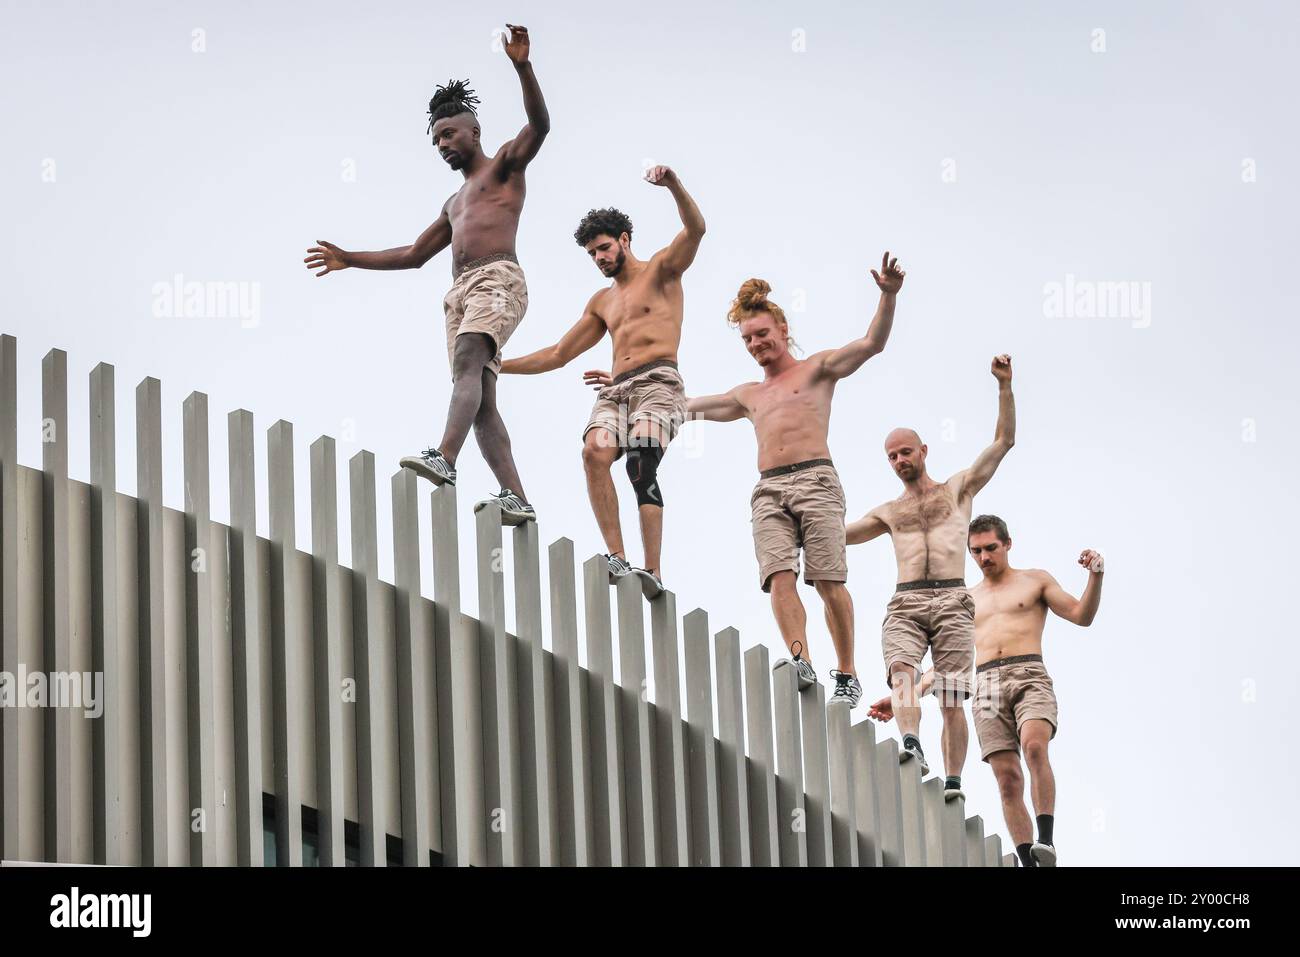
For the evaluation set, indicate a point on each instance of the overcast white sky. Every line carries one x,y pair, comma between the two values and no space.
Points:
995,148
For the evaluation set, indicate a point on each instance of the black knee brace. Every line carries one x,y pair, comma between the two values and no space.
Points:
643,469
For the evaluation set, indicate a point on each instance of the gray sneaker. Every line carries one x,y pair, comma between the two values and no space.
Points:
802,669
908,752
1044,854
651,586
618,567
432,465
514,510
847,688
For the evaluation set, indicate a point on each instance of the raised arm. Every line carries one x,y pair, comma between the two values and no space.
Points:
586,332
869,526
1004,436
678,255
520,151
848,359
329,258
724,407
1080,611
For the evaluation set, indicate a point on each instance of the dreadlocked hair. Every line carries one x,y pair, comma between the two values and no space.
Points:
456,97
751,301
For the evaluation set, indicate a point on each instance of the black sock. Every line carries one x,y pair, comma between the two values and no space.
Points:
952,783
916,742
1044,829
1026,859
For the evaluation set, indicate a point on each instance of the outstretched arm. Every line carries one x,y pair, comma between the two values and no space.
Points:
866,528
724,407
586,332
680,253
329,258
849,359
520,151
1080,611
1004,437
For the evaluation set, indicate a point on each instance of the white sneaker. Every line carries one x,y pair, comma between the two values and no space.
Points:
514,510
651,586
847,688
432,465
912,751
802,669
618,567
1044,854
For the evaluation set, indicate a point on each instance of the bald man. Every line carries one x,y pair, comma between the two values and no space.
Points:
931,608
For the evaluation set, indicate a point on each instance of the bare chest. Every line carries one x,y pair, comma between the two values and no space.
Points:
1020,596
791,396
484,195
932,509
640,303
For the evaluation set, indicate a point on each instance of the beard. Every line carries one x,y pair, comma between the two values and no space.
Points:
617,266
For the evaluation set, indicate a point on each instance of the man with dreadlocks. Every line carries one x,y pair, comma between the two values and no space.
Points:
488,295
640,408
798,501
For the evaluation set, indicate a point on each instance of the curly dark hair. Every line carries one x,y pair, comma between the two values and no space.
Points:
455,97
602,222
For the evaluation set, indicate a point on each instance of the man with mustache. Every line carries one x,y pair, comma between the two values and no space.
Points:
798,502
1015,703
641,406
931,607
488,296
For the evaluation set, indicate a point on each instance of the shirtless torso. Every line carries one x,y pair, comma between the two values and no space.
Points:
791,412
1009,615
483,215
643,315
928,529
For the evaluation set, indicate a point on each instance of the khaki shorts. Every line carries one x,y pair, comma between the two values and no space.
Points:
1006,696
941,619
655,392
490,299
800,509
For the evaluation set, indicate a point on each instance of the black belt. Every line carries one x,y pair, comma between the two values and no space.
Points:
932,583
1013,660
797,467
483,261
624,376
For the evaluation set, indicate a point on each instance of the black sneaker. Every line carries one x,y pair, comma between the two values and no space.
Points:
432,465
618,567
514,510
847,688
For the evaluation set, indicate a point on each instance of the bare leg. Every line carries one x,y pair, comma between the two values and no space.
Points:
652,516
1034,735
1011,785
493,439
956,736
838,605
599,450
903,681
791,618
470,354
